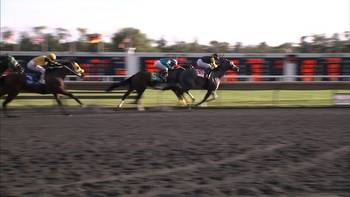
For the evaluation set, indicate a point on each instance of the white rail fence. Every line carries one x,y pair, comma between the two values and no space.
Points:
249,78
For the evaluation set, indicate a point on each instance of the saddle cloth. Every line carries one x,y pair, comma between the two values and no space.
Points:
200,72
32,80
156,77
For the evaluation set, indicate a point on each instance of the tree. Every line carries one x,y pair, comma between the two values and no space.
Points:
237,48
62,34
7,42
7,36
218,47
82,32
161,44
81,44
195,47
26,43
131,37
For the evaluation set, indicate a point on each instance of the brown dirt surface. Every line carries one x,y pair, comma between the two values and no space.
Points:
180,152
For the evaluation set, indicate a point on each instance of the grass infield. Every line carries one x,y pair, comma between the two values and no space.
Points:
227,98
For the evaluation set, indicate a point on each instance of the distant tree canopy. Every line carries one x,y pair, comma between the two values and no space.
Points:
125,38
131,37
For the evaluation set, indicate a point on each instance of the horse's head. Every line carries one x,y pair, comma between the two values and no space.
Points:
77,69
226,64
65,68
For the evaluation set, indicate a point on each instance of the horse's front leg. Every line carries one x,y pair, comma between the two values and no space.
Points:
70,95
138,101
59,102
214,96
209,92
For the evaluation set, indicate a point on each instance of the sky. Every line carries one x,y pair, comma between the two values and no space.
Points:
247,21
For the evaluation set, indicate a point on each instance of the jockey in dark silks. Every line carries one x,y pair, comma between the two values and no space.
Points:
208,63
9,62
164,65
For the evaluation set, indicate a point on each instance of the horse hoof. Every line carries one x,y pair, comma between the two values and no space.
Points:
140,108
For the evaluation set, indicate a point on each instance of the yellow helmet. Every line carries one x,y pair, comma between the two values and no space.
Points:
52,56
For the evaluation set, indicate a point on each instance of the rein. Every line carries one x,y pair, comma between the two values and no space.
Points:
64,66
71,70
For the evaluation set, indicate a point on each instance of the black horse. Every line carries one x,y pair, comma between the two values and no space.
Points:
14,83
142,80
189,79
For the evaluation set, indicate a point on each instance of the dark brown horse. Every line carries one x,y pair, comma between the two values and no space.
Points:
189,79
14,83
142,80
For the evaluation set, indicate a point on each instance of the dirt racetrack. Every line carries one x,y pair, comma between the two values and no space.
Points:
202,152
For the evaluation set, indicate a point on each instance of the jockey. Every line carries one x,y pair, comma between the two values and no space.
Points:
164,65
38,63
208,63
11,63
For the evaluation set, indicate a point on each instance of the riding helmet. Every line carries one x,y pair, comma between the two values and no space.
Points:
52,56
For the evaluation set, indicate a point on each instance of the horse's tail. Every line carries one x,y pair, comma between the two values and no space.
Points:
118,84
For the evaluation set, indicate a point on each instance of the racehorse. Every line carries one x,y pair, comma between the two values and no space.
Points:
14,83
9,62
142,80
189,79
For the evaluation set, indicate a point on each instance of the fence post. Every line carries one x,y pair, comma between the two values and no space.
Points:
289,68
132,63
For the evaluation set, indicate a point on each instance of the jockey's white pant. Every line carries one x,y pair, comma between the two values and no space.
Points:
32,66
202,64
160,66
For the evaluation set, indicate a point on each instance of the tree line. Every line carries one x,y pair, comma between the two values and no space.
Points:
134,38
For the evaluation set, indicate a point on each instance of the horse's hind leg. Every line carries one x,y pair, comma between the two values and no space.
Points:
70,95
123,98
215,96
205,97
138,99
9,98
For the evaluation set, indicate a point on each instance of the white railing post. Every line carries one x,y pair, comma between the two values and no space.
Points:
132,64
289,71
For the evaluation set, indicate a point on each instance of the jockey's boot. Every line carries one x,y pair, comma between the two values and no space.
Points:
207,72
42,78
